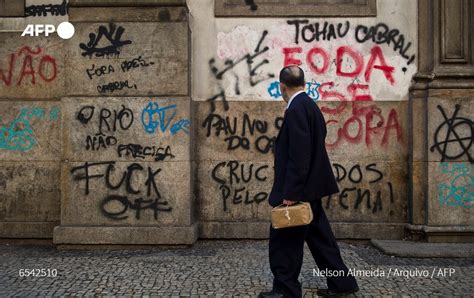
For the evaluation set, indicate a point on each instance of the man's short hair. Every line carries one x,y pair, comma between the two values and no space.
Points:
292,76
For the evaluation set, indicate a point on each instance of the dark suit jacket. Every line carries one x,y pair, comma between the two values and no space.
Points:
303,171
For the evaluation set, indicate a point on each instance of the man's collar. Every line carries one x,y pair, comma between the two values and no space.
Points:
292,97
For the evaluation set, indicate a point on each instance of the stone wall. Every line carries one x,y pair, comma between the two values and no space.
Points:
451,183
358,70
32,77
96,130
155,123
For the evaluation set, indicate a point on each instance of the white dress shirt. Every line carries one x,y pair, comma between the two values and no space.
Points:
291,98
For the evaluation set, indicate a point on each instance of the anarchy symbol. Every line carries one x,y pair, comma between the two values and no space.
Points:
458,136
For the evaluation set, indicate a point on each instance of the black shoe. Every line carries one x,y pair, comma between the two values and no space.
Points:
329,293
271,294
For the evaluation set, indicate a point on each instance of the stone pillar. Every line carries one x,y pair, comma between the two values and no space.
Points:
126,159
442,109
31,84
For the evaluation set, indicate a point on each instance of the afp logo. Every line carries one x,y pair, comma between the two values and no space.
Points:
65,30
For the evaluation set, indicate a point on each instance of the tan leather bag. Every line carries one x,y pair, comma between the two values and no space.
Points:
284,216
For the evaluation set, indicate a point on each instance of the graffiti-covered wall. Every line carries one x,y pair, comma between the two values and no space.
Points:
96,130
155,124
32,76
357,70
451,164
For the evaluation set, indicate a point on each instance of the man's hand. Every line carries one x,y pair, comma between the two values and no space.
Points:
289,203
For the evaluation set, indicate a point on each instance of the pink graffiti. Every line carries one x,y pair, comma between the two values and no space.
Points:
363,125
376,61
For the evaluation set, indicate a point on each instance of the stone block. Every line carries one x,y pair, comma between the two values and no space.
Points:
126,3
369,131
234,190
30,151
126,129
450,129
234,230
131,14
31,67
28,229
30,131
285,8
128,59
343,60
30,199
246,131
80,236
370,192
360,130
450,193
357,230
126,194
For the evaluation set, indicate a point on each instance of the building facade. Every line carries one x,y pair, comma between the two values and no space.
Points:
155,122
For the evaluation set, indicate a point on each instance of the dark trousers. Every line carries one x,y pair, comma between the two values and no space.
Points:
286,254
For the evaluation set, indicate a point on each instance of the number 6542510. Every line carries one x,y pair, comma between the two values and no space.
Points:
38,272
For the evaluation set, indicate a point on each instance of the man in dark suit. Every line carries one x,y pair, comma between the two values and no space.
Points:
303,172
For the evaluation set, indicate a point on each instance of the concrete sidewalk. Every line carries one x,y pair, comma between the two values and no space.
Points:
414,249
216,269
